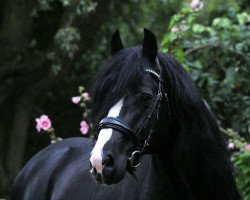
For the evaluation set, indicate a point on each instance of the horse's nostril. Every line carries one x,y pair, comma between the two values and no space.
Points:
108,161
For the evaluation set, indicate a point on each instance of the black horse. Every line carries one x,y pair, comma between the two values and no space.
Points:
157,139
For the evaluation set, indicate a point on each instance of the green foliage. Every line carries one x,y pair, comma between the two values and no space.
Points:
243,165
226,74
82,7
235,138
217,57
67,39
179,28
45,4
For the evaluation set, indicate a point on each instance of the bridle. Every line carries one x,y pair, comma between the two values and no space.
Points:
122,127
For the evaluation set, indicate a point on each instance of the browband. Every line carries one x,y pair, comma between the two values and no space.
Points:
153,73
115,123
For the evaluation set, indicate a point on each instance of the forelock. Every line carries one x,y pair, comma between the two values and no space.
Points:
117,77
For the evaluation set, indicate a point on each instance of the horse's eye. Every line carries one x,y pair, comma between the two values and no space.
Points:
146,98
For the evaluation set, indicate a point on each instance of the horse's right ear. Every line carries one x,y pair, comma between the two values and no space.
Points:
150,45
116,43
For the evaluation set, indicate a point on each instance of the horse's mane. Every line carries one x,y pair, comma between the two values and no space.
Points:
199,152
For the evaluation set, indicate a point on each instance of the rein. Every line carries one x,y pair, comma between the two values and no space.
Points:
122,127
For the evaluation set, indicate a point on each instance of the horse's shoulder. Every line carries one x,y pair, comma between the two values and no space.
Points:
46,166
58,148
75,142
54,154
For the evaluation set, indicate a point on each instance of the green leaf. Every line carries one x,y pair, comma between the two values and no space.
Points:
197,28
230,75
56,68
81,89
165,43
243,17
195,74
196,64
172,37
222,22
179,54
211,31
191,18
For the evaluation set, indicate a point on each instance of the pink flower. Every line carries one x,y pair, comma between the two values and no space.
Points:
38,127
174,29
231,145
76,100
43,123
86,96
196,5
247,147
84,127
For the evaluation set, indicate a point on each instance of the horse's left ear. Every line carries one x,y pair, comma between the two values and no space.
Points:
116,43
150,45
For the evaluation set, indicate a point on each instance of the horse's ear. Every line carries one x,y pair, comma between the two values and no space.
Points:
150,45
116,43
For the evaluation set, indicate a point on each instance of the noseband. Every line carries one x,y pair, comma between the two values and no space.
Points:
149,121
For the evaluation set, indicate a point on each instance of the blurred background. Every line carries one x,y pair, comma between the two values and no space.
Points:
48,48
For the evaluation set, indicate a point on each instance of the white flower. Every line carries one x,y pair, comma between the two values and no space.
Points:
231,145
174,29
196,5
76,100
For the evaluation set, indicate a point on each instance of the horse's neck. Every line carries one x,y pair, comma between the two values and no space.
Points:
164,166
154,183
160,177
178,186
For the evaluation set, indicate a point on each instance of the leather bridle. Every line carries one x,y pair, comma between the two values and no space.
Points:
122,127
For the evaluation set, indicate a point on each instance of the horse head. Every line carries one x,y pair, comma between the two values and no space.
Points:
131,81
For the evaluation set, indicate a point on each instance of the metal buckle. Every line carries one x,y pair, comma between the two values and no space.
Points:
135,159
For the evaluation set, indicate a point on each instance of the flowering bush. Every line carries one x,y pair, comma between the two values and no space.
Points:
43,123
180,27
77,99
82,100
